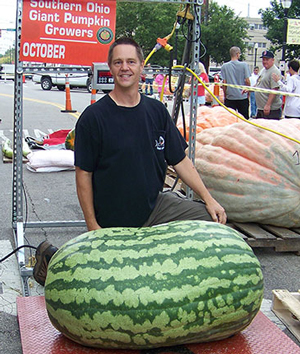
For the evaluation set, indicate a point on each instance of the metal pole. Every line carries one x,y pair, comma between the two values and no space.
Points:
255,56
194,91
284,41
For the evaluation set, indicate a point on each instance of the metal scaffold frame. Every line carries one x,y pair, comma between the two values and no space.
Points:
18,222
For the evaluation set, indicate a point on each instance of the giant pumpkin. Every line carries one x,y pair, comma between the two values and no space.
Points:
253,173
208,117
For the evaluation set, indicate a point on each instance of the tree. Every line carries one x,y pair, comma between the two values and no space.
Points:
147,22
273,19
222,30
8,57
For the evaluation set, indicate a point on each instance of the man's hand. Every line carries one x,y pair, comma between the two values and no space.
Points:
267,109
276,77
216,211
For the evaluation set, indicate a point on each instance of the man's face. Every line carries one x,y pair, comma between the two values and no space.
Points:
267,62
125,66
256,71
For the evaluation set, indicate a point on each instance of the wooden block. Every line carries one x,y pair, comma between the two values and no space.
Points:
289,301
8,160
285,305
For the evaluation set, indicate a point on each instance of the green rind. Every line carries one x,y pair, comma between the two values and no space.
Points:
70,138
183,282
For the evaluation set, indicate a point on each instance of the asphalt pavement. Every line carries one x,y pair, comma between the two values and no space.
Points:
52,197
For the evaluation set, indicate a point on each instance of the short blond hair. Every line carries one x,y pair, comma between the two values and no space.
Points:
202,68
234,51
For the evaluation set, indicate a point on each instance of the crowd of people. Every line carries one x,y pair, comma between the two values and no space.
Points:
250,103
264,103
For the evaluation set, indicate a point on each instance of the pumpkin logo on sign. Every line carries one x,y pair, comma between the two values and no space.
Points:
105,35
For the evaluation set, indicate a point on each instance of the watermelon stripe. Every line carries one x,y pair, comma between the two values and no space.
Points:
139,288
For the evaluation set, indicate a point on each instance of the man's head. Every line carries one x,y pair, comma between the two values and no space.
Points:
235,52
294,65
256,70
267,59
126,63
126,41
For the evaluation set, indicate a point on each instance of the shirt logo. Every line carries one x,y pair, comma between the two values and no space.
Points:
160,144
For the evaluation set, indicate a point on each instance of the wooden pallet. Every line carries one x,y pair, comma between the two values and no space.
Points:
256,235
8,160
279,238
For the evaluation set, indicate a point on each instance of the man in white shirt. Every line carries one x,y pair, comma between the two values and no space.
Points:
292,103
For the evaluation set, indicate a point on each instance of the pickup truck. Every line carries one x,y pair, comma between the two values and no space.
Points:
7,71
50,77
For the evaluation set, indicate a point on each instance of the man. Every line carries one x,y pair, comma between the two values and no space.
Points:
149,78
253,80
268,104
123,143
292,103
236,72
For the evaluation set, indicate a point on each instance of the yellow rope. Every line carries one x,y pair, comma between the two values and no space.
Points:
234,113
257,89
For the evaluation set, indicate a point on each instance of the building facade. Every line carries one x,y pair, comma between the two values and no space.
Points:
257,43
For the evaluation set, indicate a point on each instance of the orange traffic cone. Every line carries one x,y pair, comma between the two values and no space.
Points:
93,98
24,78
216,91
68,97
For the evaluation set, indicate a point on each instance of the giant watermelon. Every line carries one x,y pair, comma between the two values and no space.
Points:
181,282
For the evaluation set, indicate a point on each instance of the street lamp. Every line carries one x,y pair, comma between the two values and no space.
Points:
286,4
255,53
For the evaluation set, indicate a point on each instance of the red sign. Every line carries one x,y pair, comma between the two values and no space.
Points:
72,32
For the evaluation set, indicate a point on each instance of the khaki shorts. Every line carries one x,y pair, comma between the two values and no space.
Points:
170,206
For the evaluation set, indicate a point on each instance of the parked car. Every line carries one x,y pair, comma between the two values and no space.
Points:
7,71
56,77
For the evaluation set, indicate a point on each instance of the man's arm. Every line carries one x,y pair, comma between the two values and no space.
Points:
267,107
85,196
224,87
247,83
189,175
223,75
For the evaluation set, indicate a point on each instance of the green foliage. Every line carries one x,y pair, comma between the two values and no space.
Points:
273,19
8,57
223,30
147,22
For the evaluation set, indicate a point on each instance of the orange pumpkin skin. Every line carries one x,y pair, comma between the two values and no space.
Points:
253,173
208,117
